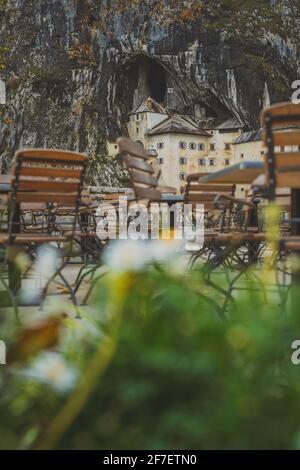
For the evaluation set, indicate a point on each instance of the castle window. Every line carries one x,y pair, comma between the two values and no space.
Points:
182,145
160,145
201,146
262,152
201,162
212,162
137,117
242,155
227,162
192,146
137,130
212,147
182,160
227,146
182,176
160,160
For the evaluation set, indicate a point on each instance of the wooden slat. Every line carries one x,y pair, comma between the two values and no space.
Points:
288,159
50,154
147,193
109,196
211,188
291,180
292,245
40,196
142,177
127,146
286,138
286,123
138,164
38,185
285,109
202,197
37,238
51,172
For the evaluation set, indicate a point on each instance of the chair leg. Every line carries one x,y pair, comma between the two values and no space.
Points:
72,294
92,285
82,275
51,279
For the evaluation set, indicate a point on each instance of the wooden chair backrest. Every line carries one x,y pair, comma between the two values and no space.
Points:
281,123
48,176
143,179
205,192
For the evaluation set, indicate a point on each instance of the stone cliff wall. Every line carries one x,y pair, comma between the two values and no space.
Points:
74,68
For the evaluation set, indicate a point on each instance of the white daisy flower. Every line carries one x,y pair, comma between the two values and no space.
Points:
50,368
134,255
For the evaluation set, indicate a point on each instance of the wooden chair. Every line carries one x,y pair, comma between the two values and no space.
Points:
47,179
143,179
227,219
282,160
206,194
259,190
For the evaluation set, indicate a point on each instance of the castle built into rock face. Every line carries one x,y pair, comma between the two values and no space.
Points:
179,145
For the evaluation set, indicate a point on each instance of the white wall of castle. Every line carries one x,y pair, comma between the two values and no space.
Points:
176,162
202,154
112,149
218,150
140,123
248,151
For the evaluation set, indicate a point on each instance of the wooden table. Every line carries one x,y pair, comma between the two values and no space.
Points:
241,173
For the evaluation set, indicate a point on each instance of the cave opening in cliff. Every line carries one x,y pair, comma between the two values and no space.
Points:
148,78
156,81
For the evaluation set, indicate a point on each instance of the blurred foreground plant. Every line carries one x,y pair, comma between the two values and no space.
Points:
158,368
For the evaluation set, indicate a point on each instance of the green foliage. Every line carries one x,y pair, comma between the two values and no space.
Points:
181,378
104,170
177,375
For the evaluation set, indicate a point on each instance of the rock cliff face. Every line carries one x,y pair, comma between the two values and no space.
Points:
73,69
